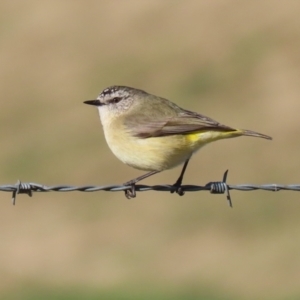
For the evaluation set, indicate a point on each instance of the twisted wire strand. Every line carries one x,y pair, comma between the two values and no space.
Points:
215,187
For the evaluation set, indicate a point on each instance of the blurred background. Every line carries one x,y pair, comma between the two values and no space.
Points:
235,61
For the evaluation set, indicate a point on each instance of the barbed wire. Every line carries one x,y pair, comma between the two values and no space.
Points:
215,187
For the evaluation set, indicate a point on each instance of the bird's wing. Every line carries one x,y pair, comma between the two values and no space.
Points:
184,122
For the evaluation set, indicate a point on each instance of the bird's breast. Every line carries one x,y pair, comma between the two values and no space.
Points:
149,154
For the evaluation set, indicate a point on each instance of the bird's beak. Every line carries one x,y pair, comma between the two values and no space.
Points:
93,102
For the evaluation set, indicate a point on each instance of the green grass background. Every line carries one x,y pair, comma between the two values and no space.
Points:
235,61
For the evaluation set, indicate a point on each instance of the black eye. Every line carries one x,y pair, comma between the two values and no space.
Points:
116,100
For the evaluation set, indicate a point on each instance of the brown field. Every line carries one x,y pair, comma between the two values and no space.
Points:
235,61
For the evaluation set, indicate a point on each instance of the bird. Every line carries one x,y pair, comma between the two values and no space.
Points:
153,134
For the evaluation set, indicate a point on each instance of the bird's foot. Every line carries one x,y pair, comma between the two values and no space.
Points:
178,188
130,193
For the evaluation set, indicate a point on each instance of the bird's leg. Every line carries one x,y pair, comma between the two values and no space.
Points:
130,193
177,184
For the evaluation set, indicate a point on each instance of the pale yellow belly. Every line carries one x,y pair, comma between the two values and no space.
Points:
158,153
152,154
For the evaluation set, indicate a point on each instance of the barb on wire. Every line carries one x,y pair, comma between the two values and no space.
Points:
220,187
215,187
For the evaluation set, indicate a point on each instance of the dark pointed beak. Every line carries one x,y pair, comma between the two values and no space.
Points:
93,102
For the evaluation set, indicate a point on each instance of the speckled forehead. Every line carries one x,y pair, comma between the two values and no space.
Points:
111,91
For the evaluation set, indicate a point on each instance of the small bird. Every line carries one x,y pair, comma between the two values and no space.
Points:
153,134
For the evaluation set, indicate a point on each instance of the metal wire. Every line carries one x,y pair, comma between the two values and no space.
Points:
216,187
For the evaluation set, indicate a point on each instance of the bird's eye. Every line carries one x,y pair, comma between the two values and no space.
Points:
116,100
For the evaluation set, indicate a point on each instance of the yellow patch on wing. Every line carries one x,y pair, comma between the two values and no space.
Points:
201,138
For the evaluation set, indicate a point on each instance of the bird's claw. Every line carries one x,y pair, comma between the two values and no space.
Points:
178,189
130,193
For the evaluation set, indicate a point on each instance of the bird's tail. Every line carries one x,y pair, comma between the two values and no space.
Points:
255,134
